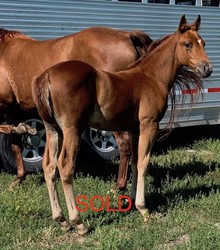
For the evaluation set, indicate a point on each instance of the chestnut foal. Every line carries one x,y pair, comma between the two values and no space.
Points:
73,94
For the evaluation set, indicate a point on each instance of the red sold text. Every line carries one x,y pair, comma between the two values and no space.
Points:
105,203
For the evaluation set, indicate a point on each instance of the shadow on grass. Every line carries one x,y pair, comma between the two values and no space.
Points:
182,137
90,164
157,202
193,168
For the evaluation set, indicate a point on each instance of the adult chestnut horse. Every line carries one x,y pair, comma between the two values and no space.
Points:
134,100
23,58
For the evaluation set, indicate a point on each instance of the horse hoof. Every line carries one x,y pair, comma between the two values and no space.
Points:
82,229
83,232
145,214
15,183
65,226
146,218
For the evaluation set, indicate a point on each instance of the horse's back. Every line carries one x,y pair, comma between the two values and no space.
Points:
73,81
104,48
70,73
110,49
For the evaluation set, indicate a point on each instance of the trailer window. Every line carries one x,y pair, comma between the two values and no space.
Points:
179,2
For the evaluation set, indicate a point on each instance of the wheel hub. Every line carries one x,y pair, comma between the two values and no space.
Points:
104,135
33,141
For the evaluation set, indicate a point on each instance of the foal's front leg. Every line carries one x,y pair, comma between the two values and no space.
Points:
134,138
146,140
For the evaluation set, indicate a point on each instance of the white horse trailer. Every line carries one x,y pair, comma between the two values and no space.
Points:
46,19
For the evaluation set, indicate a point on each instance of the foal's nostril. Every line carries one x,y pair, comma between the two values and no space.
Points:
210,71
207,69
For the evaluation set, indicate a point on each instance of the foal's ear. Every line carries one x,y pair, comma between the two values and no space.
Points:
183,24
196,24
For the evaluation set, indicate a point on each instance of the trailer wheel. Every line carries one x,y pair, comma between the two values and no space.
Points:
102,142
32,152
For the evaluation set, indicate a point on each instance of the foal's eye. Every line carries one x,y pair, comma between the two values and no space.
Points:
188,45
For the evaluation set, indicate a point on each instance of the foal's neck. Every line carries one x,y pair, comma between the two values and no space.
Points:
163,64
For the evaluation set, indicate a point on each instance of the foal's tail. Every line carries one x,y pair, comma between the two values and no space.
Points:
141,41
42,98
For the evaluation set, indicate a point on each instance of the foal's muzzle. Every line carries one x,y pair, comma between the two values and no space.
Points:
204,69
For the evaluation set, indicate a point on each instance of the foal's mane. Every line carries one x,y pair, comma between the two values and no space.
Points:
9,34
155,44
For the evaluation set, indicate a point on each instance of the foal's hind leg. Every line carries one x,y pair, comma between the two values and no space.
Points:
123,142
66,165
50,170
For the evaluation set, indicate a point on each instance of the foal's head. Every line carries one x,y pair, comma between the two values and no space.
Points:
191,52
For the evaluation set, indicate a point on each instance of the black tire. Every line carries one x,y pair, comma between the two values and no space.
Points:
33,149
8,160
102,142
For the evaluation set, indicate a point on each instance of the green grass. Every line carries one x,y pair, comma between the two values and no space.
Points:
182,195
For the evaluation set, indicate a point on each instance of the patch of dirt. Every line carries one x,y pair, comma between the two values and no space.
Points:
169,245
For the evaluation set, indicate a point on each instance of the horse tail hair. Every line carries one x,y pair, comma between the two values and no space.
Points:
140,41
42,98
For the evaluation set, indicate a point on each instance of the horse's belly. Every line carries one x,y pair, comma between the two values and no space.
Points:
24,98
110,121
